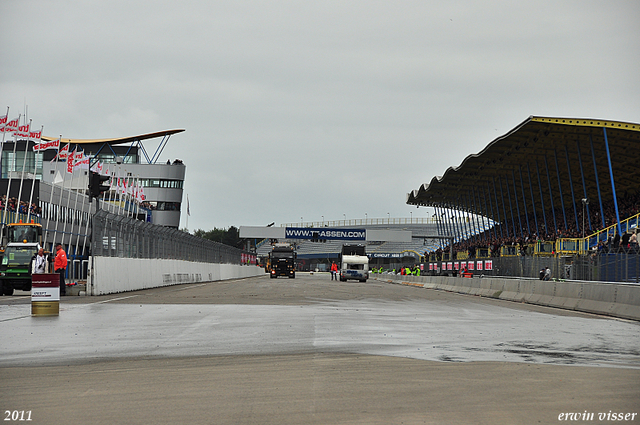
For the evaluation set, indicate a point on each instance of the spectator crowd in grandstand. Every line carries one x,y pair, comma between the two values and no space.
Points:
503,234
22,207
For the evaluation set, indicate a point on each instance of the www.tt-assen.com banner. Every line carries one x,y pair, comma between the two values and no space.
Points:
325,233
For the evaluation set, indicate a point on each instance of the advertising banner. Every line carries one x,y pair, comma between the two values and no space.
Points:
325,233
479,265
488,264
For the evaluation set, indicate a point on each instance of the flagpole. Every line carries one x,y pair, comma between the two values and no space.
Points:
64,228
4,132
64,178
24,164
46,234
6,204
35,169
75,208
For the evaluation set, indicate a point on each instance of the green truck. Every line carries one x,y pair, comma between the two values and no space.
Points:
21,244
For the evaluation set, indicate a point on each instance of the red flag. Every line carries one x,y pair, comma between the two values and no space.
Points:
11,126
35,136
82,163
63,152
23,131
53,144
70,161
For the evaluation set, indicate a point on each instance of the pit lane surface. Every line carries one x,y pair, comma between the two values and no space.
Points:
311,350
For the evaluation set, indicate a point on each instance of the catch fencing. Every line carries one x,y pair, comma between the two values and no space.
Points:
610,267
125,237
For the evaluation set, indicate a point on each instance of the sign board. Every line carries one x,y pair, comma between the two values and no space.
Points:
45,294
325,233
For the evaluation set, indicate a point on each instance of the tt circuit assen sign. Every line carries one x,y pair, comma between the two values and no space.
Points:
325,233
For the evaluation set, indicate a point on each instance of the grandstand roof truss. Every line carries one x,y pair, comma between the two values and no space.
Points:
541,162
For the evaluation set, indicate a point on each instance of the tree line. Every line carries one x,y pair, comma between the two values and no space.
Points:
230,236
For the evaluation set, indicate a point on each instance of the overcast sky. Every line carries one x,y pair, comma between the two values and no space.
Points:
302,109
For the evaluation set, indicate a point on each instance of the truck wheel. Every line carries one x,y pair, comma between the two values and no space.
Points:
7,290
293,276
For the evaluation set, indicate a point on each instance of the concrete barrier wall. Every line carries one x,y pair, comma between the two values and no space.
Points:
614,299
113,275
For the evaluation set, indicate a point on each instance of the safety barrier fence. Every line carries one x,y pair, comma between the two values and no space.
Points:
615,299
119,236
612,267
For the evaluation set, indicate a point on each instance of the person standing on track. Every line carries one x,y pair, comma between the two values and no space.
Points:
334,270
60,267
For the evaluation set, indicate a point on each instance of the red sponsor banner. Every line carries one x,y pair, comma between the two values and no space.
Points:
479,265
82,163
35,136
23,132
11,126
488,264
70,162
449,266
471,265
53,144
456,265
64,152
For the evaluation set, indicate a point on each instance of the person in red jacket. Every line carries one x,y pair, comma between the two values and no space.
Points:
60,267
334,270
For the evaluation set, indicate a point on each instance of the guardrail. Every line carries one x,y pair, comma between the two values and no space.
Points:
613,299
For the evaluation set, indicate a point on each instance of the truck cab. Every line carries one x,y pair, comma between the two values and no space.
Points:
20,242
282,261
15,268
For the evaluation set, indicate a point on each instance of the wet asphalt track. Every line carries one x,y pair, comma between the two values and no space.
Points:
312,351
315,315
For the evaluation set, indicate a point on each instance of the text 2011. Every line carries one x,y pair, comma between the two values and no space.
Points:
17,415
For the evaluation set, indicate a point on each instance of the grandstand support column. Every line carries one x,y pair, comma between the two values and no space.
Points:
553,208
584,186
504,208
564,215
473,224
613,185
483,216
495,194
470,219
465,223
544,214
515,195
513,221
573,195
495,232
448,220
533,201
453,219
460,218
524,201
595,170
